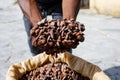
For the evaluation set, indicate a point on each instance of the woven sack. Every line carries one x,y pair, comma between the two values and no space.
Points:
81,66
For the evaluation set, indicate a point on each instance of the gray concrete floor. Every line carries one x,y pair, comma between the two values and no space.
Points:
101,45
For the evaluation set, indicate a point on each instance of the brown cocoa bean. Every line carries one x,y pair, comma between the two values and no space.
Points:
82,27
79,37
37,31
50,43
32,32
71,26
62,23
42,42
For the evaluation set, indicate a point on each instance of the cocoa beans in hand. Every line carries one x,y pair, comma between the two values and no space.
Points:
55,36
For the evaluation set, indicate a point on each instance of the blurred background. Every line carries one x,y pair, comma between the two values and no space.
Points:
102,35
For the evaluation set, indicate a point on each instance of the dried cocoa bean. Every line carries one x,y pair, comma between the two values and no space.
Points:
82,27
51,43
42,42
32,31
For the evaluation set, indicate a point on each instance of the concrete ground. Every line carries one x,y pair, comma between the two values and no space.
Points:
101,45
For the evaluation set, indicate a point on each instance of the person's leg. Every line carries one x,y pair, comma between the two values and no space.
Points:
28,26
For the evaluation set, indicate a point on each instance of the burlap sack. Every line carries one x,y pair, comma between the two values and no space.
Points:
81,66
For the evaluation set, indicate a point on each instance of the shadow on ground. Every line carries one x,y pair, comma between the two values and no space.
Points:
113,73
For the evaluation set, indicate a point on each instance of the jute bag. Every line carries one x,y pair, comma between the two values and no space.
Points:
79,65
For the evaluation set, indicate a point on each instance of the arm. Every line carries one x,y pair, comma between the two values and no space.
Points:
31,11
70,8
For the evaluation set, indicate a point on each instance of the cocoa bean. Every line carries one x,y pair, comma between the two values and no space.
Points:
79,37
51,44
82,27
42,42
37,31
32,32
71,26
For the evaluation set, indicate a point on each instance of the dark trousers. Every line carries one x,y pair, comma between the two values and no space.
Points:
55,12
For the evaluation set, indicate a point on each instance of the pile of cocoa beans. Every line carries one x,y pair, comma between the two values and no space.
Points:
53,71
55,36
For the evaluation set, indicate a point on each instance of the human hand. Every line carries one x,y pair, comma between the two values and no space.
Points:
55,36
